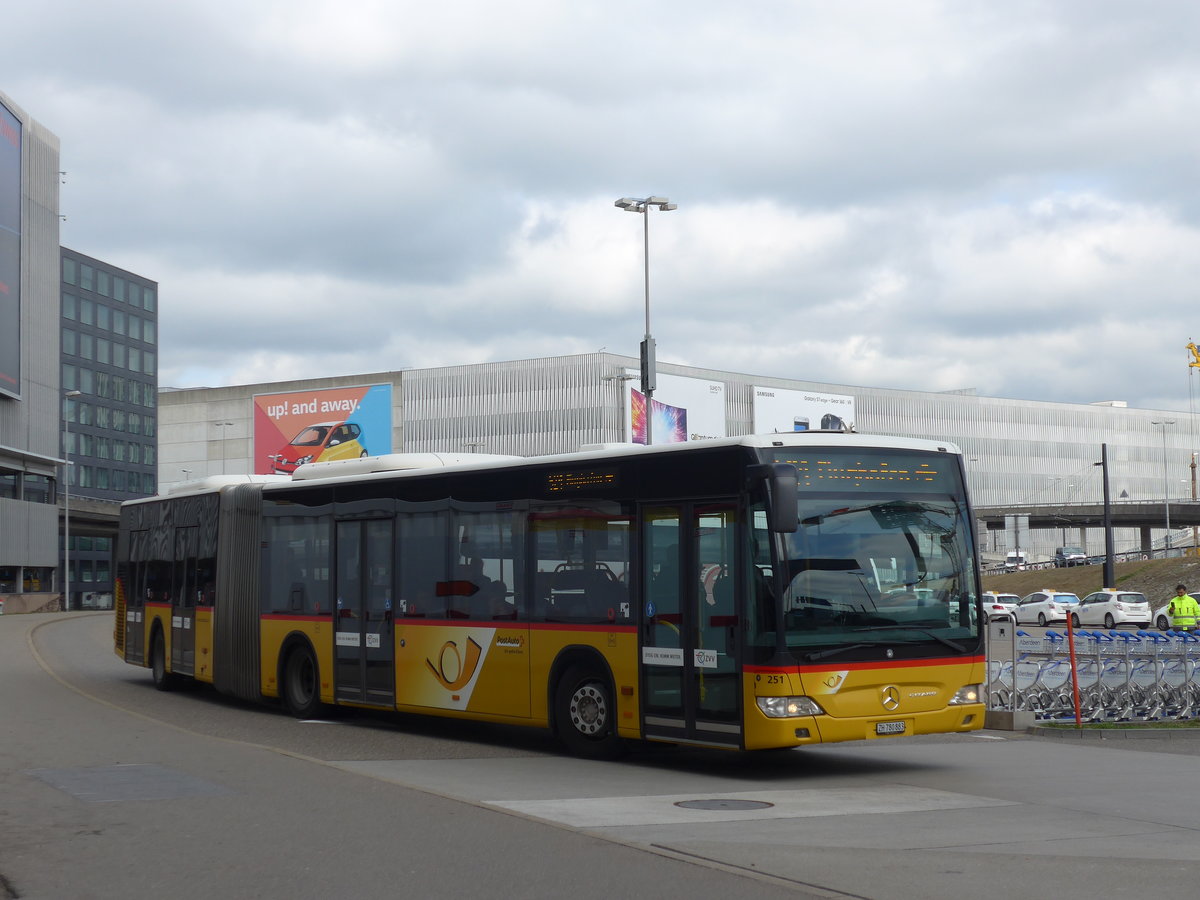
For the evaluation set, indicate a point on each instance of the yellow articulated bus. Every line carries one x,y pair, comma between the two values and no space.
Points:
756,592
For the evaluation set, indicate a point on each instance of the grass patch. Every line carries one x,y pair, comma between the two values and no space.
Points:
1162,723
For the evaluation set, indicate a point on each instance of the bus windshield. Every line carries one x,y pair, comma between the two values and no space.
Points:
885,560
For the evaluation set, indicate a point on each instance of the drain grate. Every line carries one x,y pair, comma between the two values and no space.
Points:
724,804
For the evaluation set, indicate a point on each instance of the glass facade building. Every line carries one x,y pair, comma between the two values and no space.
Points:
110,357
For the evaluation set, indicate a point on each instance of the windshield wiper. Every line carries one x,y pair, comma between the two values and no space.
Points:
834,651
959,648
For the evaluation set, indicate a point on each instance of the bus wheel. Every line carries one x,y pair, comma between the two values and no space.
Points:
301,692
163,680
585,715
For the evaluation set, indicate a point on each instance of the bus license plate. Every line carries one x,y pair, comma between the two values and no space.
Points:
889,728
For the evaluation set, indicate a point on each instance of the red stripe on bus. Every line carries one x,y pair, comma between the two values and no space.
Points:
874,664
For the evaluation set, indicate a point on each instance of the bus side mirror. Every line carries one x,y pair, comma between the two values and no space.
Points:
783,509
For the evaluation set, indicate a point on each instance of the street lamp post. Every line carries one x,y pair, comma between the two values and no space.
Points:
634,205
67,499
1164,423
222,425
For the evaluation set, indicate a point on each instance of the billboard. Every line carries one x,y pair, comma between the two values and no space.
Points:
682,409
320,425
10,253
778,409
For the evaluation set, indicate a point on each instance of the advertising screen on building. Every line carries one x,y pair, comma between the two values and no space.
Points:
10,253
321,425
778,409
682,409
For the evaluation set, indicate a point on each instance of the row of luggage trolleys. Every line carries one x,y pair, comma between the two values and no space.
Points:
1122,676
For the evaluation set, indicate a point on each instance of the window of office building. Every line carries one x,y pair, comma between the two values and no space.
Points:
103,284
87,313
134,328
103,317
119,357
87,381
134,392
134,423
68,378
8,484
149,361
149,425
70,274
135,360
147,483
102,416
149,455
87,277
118,321
118,288
38,488
148,332
87,346
70,344
149,300
70,306
103,351
119,480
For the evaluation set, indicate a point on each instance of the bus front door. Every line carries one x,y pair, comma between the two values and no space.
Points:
365,655
690,627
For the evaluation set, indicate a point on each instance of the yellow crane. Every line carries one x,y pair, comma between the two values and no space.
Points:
1195,355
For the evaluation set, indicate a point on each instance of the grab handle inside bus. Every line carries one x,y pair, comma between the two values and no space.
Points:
783,511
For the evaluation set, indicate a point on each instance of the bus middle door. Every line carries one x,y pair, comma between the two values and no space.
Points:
364,651
690,628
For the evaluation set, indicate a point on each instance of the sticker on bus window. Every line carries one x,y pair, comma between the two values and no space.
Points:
662,656
704,659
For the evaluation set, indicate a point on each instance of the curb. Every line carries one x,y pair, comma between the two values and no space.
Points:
1133,733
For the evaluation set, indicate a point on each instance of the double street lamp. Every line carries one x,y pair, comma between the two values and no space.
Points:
634,205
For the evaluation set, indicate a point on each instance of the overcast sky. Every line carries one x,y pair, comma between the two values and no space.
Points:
910,194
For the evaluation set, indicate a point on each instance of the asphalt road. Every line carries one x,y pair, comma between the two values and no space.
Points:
109,788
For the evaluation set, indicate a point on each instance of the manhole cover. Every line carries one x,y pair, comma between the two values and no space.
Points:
724,804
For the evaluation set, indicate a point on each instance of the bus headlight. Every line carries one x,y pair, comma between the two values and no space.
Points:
787,707
968,694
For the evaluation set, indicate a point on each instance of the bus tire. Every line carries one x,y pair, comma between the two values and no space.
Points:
301,684
163,680
585,715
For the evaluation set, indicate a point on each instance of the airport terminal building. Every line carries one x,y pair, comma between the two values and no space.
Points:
1017,451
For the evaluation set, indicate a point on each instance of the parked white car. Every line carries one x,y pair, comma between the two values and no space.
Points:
1045,607
1112,608
999,606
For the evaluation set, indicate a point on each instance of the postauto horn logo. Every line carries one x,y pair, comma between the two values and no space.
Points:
451,670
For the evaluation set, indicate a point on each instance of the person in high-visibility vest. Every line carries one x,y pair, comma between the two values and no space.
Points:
1183,609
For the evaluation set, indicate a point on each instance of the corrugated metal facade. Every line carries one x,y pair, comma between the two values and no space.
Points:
1018,451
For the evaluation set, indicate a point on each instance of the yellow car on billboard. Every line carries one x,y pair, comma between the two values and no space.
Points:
321,442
